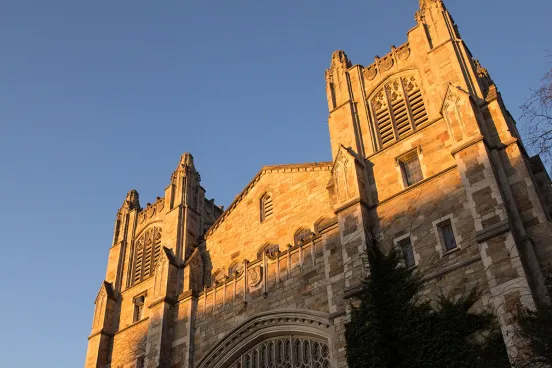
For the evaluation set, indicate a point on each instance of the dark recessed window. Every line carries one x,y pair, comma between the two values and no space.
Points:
446,234
411,169
405,246
139,308
141,362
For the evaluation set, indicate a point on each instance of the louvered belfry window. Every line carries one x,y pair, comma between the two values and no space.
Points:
398,108
266,206
147,250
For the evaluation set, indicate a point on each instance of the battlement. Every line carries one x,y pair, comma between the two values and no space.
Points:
272,270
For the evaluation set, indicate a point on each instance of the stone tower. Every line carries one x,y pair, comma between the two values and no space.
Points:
424,152
430,130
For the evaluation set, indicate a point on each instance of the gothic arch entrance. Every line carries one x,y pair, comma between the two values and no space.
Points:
286,352
278,339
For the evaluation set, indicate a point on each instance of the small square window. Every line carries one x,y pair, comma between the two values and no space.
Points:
446,234
405,247
411,169
138,308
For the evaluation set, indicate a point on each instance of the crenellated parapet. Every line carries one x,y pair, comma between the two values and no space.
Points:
393,59
151,211
250,280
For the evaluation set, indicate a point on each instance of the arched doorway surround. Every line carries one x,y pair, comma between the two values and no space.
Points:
280,338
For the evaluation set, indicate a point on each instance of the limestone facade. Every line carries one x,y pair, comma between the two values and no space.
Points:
424,153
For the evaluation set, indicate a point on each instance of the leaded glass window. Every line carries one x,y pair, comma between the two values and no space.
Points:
411,169
285,352
447,235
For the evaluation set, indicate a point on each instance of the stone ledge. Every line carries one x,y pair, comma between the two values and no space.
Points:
413,186
492,231
340,105
100,332
463,145
352,291
451,268
163,299
132,325
351,203
336,314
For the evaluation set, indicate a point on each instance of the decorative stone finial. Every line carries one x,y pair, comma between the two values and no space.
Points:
186,159
185,166
132,200
339,59
427,3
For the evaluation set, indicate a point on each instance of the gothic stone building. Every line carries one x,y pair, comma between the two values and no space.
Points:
424,152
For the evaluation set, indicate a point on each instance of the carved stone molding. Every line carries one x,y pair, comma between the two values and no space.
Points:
370,72
255,275
386,63
267,323
403,52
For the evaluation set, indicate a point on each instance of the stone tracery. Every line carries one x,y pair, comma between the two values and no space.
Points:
286,352
398,108
147,250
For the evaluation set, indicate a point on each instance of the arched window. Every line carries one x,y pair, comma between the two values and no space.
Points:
398,108
302,236
235,269
323,224
284,352
218,276
266,206
147,250
271,251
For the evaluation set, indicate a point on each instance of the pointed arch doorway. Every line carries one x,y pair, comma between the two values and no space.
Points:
276,339
286,352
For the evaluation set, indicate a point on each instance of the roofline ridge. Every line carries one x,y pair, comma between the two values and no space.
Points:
256,178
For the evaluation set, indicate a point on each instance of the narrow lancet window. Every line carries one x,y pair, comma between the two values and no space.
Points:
266,206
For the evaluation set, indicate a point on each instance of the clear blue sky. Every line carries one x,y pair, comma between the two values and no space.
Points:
98,97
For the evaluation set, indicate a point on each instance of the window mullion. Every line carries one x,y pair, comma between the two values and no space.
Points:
407,103
375,126
143,258
391,114
132,263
